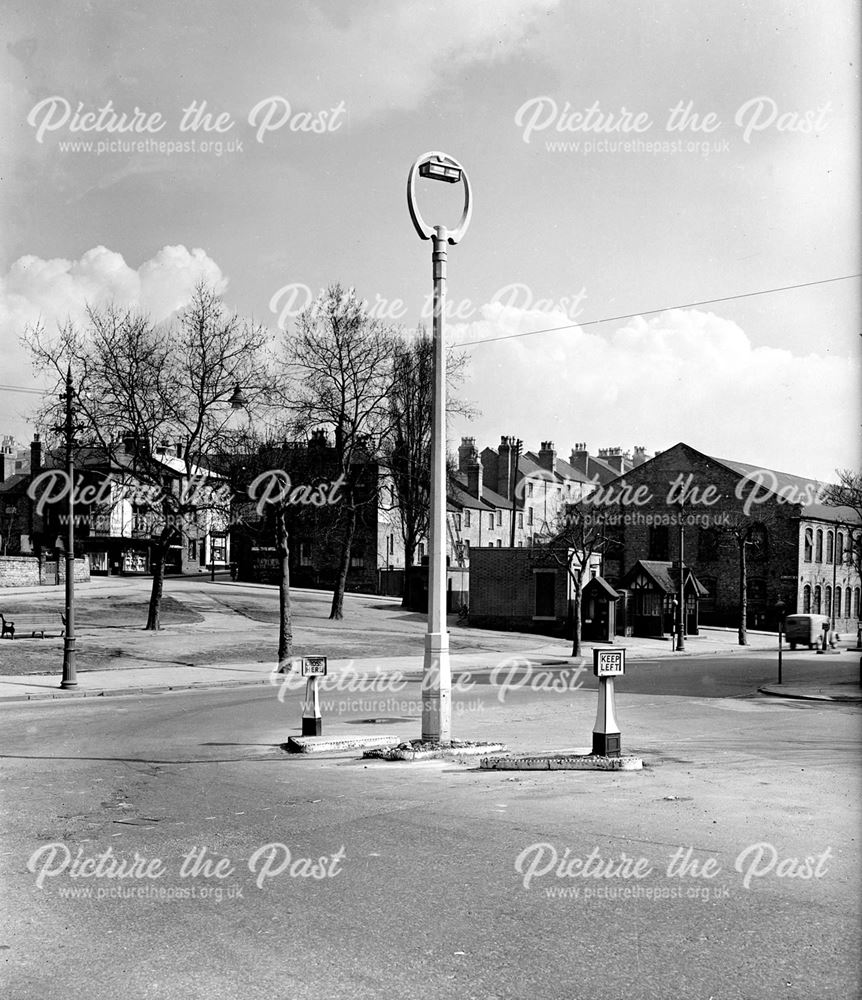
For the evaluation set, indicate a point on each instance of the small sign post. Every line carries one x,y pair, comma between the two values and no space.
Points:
313,668
607,664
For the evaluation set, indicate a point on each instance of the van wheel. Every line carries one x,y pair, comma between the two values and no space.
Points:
811,645
793,645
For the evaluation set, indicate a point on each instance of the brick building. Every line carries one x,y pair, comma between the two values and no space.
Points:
796,547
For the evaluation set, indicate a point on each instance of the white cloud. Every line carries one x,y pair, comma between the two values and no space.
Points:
53,291
393,56
683,375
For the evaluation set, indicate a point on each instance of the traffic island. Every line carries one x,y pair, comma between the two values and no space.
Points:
431,750
561,762
324,744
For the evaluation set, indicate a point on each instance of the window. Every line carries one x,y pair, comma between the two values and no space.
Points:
529,489
855,602
658,542
757,591
420,551
491,520
499,518
466,518
818,552
193,548
499,543
806,599
357,559
817,598
467,547
520,519
838,596
759,541
839,548
829,548
545,586
809,545
305,554
457,519
529,515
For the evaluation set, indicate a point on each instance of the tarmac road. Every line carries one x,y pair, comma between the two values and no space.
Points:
427,862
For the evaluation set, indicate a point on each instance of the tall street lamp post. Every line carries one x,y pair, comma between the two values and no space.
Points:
437,677
680,640
70,677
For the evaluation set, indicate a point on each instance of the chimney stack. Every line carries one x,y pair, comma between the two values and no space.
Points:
580,458
548,456
467,453
473,468
35,456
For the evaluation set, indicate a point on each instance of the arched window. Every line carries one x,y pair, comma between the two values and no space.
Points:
827,610
806,599
818,549
809,545
829,549
838,596
839,548
855,602
816,608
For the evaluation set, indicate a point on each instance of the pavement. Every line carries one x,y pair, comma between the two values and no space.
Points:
504,646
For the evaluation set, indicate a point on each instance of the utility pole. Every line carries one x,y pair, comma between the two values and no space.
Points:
515,447
70,677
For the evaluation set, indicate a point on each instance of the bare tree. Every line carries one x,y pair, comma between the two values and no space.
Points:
751,535
578,534
847,493
408,451
342,362
153,404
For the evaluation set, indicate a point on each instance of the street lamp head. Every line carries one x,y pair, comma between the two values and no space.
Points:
439,167
237,399
437,171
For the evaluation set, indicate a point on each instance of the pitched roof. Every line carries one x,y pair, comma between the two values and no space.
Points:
664,575
790,487
806,493
529,465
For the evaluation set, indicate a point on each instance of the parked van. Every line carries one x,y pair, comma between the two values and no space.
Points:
806,630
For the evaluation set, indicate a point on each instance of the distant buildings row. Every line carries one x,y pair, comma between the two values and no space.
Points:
508,498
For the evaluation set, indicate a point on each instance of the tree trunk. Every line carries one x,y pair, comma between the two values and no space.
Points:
336,612
285,627
409,556
743,594
576,616
155,609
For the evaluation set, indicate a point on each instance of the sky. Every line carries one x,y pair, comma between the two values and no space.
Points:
626,159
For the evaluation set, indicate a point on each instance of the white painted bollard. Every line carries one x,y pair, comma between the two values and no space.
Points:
607,664
313,668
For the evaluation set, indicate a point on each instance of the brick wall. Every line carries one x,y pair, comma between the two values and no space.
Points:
709,547
503,590
26,571
19,571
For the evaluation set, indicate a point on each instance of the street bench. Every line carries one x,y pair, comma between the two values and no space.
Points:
26,625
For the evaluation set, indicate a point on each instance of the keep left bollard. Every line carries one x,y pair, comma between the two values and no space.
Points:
313,668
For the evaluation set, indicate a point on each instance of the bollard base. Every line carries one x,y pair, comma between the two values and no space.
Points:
607,744
312,727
